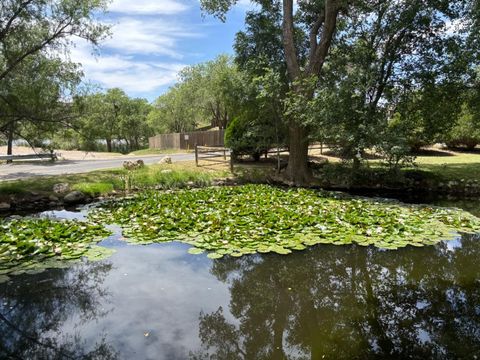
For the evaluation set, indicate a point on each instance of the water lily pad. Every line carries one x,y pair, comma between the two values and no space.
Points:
28,245
242,220
195,251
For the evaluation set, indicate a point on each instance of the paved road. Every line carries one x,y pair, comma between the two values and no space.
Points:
18,171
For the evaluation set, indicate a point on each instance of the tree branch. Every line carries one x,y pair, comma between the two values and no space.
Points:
289,40
59,32
328,30
314,34
6,29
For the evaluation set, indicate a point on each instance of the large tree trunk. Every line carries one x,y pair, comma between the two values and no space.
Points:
109,145
324,26
297,170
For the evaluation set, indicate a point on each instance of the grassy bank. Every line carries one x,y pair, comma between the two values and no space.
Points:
442,171
103,182
434,170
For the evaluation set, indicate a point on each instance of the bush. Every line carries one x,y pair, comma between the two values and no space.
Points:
465,133
246,136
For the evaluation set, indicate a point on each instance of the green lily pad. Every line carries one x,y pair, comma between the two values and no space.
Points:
241,220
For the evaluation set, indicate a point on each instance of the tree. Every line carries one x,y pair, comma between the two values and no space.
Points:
113,117
465,131
32,100
319,21
353,59
35,79
30,26
175,111
204,95
133,127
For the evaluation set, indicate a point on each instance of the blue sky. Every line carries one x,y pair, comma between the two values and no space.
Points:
152,40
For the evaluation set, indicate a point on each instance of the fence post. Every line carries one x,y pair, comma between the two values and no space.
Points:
196,154
224,154
231,161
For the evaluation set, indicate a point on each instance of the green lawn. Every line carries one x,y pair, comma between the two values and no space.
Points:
456,167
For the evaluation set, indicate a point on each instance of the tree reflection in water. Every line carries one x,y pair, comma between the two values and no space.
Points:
349,302
33,313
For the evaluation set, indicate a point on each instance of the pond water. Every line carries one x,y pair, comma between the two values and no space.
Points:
341,302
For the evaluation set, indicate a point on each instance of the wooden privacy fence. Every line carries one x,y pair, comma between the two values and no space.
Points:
187,141
215,154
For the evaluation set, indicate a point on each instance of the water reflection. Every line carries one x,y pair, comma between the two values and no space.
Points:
34,311
158,302
349,302
142,303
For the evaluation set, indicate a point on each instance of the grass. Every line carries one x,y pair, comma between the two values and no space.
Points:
105,181
94,189
455,167
440,166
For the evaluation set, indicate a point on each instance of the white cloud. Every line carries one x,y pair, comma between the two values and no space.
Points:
147,7
126,72
156,37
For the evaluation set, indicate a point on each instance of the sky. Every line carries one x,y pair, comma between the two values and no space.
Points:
152,40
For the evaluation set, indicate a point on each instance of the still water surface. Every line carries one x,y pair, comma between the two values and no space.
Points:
328,302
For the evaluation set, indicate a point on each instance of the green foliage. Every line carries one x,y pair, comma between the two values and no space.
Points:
260,125
257,218
165,177
113,117
246,136
94,188
204,96
34,244
35,79
465,132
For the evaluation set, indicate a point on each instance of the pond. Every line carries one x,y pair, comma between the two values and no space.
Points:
159,302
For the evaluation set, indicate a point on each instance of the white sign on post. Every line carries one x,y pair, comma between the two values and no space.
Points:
185,137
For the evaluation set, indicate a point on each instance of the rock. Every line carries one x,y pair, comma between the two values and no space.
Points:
53,198
4,206
74,197
61,188
133,165
165,160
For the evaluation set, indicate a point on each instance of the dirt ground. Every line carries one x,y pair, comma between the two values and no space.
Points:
63,154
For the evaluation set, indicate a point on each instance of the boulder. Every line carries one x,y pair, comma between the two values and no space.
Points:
61,188
74,197
133,165
4,206
165,160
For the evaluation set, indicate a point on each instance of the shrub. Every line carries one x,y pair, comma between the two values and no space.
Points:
465,133
249,137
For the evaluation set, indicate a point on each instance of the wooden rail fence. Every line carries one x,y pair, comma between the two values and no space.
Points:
215,154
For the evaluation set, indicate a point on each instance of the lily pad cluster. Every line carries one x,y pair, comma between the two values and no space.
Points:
35,244
259,218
